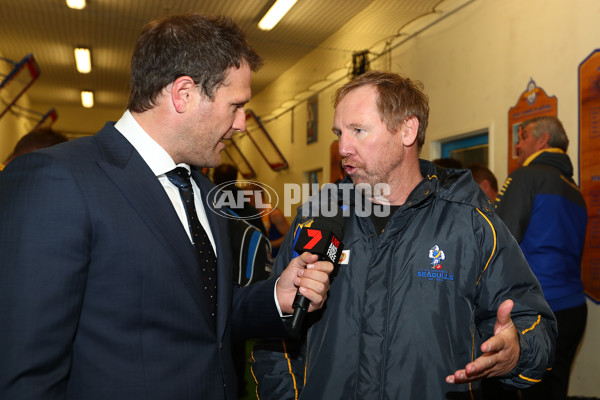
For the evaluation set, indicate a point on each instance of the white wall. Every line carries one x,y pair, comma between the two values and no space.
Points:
474,64
477,63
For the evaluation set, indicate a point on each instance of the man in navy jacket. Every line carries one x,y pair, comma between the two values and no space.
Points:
101,295
431,294
545,211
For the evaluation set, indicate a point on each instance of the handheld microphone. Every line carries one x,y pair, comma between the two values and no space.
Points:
323,238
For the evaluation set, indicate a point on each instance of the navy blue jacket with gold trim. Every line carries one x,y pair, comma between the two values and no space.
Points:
545,211
414,304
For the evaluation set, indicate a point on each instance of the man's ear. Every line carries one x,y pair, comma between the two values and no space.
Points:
543,140
409,131
182,90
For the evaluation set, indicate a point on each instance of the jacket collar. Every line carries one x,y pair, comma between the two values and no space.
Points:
537,153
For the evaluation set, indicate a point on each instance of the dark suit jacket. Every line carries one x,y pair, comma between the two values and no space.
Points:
100,296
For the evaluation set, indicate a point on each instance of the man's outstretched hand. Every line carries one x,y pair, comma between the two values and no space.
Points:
500,352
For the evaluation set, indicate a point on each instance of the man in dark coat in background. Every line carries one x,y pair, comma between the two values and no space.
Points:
544,210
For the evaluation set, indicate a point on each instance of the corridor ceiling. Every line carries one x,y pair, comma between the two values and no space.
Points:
50,30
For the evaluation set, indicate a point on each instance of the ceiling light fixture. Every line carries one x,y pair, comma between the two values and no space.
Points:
83,60
76,4
87,98
275,13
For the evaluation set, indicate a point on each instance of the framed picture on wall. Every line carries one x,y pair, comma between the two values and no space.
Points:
312,120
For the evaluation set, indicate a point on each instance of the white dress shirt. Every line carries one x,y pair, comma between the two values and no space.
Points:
160,162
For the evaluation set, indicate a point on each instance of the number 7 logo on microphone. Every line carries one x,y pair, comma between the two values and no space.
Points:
315,236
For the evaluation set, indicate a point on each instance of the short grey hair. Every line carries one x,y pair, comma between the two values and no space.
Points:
552,125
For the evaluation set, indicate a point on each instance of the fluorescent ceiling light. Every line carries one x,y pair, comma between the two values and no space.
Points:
83,60
275,13
76,4
87,98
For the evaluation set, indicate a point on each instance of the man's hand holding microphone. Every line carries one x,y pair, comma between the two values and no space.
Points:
304,284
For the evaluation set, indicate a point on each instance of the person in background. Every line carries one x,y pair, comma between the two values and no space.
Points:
115,268
228,173
432,293
448,162
38,138
485,179
544,210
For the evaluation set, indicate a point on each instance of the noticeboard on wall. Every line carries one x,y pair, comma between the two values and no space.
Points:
589,169
533,102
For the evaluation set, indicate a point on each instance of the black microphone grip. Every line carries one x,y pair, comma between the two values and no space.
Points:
321,238
300,305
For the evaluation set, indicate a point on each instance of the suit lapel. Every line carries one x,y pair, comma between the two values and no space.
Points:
136,181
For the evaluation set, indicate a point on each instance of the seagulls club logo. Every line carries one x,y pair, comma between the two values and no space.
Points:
436,256
230,199
435,271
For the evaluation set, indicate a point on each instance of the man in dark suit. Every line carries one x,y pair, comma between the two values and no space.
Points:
101,275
